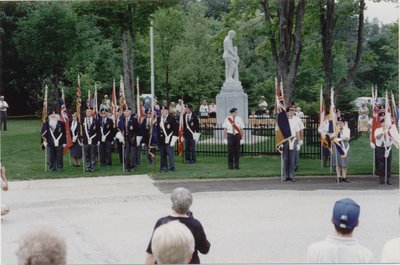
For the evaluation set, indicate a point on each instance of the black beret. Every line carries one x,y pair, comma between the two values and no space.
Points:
341,119
189,106
233,110
103,110
164,107
147,111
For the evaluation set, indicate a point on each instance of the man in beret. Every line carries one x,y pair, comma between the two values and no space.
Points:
234,137
107,136
150,135
341,247
191,131
167,136
383,151
91,138
54,136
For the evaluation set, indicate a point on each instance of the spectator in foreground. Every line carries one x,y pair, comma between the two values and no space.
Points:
182,199
341,247
4,186
172,243
391,251
42,247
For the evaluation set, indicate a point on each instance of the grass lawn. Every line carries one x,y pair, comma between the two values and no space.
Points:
21,154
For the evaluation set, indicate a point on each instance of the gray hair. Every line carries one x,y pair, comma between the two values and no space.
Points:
42,247
172,243
181,200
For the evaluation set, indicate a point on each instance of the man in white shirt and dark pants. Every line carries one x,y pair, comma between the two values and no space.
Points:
3,113
234,137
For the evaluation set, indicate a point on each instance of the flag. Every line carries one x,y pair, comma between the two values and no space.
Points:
375,116
395,110
122,99
78,100
283,132
64,118
138,102
390,127
89,100
324,140
180,147
95,108
114,105
44,115
332,115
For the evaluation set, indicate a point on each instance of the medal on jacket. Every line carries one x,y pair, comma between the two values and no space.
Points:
94,127
131,128
192,124
168,126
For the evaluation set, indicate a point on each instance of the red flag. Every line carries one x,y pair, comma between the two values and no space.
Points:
64,118
375,116
180,148
78,100
324,141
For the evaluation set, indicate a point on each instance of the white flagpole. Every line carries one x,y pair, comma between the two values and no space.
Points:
152,65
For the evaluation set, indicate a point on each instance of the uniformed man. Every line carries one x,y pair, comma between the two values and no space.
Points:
191,134
55,139
167,137
234,137
289,146
91,138
107,136
130,129
150,137
383,151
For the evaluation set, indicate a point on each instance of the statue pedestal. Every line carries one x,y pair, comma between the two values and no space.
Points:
232,96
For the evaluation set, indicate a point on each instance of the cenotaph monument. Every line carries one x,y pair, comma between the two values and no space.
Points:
231,94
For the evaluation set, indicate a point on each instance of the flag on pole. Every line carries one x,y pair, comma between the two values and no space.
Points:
395,110
65,119
78,100
44,115
324,140
95,108
390,126
114,105
89,100
283,132
375,116
332,114
180,147
138,102
122,99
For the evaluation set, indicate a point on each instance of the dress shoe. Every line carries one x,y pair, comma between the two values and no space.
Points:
172,169
290,179
345,180
389,182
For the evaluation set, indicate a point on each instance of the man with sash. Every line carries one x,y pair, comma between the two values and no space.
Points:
191,132
107,136
150,136
55,140
234,137
290,145
167,137
130,129
91,138
383,150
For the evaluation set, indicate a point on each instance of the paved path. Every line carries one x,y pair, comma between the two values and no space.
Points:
109,220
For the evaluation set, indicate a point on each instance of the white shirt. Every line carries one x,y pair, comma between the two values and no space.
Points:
380,142
203,110
335,249
295,125
391,251
345,134
3,105
228,126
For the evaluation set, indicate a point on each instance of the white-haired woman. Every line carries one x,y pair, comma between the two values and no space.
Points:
182,199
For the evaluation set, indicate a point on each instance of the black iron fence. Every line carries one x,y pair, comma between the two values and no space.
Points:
260,138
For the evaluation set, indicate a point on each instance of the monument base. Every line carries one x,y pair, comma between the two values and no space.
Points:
232,96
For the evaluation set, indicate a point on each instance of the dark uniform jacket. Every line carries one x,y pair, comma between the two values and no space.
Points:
107,127
131,131
60,129
92,131
146,128
76,132
170,126
193,124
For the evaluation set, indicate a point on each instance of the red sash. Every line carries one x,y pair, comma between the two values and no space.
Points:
235,127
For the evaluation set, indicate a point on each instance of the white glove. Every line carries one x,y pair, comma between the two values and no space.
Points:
372,145
225,141
196,136
138,140
64,145
301,142
45,144
173,141
241,141
298,147
74,138
98,143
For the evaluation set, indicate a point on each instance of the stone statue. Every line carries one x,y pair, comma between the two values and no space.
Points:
236,61
230,57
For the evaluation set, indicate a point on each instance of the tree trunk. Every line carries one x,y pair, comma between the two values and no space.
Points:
327,25
127,70
287,60
351,72
131,40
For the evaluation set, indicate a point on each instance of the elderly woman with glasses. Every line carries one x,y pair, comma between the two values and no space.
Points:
182,199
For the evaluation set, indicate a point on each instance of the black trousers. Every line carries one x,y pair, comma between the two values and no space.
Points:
105,154
129,155
90,152
233,150
190,150
56,158
166,151
3,120
380,164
